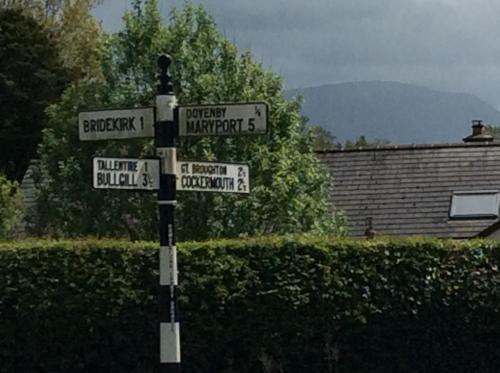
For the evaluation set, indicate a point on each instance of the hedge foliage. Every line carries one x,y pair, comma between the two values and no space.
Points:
254,305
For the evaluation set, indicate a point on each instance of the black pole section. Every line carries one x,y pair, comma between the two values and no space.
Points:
166,130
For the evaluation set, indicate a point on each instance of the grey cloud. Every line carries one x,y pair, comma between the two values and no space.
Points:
444,44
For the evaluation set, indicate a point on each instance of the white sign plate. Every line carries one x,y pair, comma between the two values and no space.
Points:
213,177
126,173
116,124
223,119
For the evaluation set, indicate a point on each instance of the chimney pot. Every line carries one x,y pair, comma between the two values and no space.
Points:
479,133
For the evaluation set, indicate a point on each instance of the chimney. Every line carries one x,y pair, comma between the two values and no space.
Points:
479,133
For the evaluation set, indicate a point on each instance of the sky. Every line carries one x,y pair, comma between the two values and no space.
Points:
448,45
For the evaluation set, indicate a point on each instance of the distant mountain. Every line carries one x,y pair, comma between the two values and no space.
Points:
398,112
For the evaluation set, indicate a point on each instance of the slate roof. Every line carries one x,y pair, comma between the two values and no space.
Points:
407,190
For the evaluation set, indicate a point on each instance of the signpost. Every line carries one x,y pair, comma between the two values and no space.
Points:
126,173
116,124
213,177
161,174
223,119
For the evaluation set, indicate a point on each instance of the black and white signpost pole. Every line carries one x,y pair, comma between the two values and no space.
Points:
166,130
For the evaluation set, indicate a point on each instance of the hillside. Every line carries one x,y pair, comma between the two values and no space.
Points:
398,112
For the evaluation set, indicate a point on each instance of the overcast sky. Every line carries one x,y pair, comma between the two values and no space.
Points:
451,45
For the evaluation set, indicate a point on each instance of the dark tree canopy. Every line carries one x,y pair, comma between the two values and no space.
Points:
31,78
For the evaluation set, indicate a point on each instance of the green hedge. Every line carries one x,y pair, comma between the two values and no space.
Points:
257,305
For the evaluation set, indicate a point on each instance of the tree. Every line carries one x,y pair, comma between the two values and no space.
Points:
289,186
493,130
11,207
71,27
362,142
324,140
31,77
